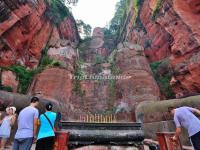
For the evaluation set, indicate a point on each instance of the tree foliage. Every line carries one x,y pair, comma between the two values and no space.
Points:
84,29
163,80
118,19
117,22
25,76
57,10
156,9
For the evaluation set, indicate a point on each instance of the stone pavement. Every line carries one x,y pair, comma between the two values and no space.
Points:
10,147
114,148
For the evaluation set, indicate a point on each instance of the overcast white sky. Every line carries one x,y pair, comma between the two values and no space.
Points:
97,13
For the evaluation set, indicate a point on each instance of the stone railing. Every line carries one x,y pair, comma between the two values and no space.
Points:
156,111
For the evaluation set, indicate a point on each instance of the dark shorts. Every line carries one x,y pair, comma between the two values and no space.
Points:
196,141
23,144
45,143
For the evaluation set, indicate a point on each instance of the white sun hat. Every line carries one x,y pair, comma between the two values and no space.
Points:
14,109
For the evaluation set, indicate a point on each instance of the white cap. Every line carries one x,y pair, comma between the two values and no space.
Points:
13,108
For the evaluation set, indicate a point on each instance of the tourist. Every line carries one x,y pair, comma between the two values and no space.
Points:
45,139
27,126
184,117
5,126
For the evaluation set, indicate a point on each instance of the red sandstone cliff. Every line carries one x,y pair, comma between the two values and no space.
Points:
25,31
173,32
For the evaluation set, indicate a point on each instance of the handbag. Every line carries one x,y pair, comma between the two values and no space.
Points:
49,122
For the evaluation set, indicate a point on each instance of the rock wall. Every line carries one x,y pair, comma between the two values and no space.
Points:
25,31
95,94
165,30
60,83
113,83
53,83
9,79
139,84
92,91
169,29
28,37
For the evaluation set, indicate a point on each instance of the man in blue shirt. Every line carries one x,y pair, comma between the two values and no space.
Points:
184,117
27,126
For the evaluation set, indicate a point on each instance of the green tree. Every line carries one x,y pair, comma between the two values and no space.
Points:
84,29
57,10
117,21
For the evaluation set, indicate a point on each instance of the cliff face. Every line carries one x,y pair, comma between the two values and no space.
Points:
35,48
46,61
169,30
139,85
25,31
99,80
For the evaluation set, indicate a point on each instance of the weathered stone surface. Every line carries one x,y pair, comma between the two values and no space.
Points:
103,52
185,48
54,41
138,84
93,98
139,87
151,111
96,43
173,32
98,32
155,40
66,56
130,60
106,65
134,84
20,101
25,31
92,93
189,11
97,39
68,30
8,78
53,83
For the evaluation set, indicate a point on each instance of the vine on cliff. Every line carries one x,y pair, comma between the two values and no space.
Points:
121,18
25,76
112,83
156,9
136,6
46,60
115,24
78,76
56,11
84,29
163,79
